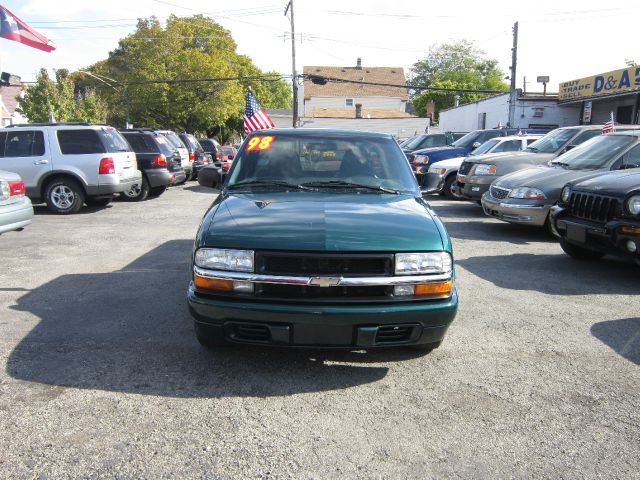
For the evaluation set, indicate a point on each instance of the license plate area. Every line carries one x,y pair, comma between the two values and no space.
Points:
576,233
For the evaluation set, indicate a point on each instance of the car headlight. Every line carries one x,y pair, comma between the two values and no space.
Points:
222,259
565,195
421,159
487,169
527,193
633,205
435,168
423,263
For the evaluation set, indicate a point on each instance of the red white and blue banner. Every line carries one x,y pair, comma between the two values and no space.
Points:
12,28
255,118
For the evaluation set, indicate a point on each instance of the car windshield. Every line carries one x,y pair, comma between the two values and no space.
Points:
595,153
468,140
332,162
174,139
406,141
413,143
485,147
552,141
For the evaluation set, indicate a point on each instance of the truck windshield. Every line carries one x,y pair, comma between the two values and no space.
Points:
468,140
322,161
485,147
595,153
552,141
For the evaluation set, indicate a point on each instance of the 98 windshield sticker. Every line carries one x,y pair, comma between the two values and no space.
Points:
260,143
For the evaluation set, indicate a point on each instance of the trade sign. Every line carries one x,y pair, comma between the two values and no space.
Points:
619,81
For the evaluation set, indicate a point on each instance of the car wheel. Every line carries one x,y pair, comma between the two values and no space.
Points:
208,337
98,202
446,189
157,191
137,192
426,347
64,196
579,253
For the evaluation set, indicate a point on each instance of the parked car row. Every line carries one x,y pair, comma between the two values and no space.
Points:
68,165
581,185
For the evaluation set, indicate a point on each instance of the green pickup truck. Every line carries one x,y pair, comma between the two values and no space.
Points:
321,238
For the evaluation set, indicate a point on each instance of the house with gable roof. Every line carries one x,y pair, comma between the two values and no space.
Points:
335,99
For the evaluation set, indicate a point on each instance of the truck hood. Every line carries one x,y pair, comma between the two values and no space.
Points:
617,184
522,157
321,221
548,179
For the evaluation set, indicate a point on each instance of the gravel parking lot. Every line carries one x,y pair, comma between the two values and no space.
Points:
102,377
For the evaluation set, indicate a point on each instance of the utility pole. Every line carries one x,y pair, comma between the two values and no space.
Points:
512,90
294,79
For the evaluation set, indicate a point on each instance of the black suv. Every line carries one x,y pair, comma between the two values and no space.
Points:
159,162
196,153
213,148
600,215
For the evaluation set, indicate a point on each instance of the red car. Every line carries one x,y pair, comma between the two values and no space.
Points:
228,154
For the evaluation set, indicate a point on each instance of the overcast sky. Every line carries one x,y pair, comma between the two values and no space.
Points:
565,40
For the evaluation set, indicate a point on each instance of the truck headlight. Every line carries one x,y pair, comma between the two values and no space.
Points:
421,159
222,259
633,205
435,168
487,169
423,263
527,193
565,195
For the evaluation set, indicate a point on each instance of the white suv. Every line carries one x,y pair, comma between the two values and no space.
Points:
67,165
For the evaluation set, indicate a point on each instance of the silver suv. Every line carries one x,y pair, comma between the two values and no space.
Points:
67,165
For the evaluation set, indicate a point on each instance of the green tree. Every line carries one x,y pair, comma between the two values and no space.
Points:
454,65
186,48
61,98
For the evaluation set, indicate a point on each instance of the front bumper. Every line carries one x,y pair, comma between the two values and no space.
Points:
326,325
605,238
16,215
433,182
514,213
470,191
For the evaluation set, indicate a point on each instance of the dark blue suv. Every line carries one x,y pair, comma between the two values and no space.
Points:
421,159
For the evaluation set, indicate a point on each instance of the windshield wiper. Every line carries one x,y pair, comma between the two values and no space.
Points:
343,184
562,164
267,183
531,149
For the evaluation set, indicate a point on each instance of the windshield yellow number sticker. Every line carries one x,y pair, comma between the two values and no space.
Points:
260,143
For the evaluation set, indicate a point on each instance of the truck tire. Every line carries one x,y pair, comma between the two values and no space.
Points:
64,196
446,189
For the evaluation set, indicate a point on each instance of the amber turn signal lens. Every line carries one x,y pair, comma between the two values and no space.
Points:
440,289
632,230
215,284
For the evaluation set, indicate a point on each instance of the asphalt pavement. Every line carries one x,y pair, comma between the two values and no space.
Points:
538,377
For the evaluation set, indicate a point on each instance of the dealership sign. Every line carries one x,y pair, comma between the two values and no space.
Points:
610,83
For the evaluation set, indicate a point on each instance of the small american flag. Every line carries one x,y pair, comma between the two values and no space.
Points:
609,126
255,118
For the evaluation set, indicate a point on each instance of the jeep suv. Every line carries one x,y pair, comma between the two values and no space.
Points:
67,165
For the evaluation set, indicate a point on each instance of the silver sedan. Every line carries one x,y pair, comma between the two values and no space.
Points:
16,210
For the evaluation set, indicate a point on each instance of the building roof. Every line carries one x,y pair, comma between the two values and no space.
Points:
391,75
9,102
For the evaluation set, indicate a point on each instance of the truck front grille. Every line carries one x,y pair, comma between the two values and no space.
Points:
596,208
353,265
465,168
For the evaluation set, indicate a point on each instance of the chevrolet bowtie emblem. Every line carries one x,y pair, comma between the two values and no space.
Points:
325,281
